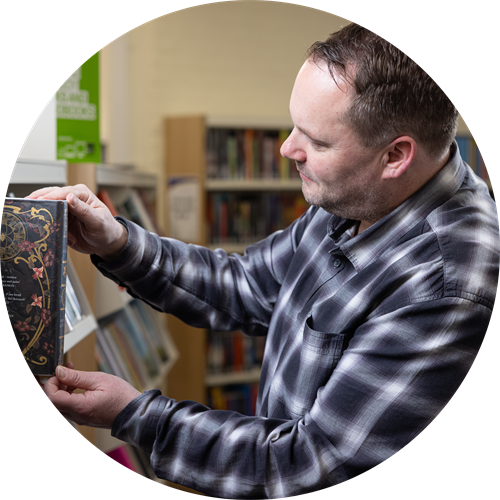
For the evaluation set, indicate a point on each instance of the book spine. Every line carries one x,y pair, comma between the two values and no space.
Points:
61,318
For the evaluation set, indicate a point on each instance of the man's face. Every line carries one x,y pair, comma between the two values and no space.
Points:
338,173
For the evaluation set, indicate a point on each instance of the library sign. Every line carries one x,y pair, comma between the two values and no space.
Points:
77,113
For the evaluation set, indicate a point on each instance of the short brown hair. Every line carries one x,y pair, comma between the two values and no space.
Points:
392,95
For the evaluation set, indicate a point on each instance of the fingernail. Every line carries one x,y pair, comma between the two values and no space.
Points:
61,372
72,200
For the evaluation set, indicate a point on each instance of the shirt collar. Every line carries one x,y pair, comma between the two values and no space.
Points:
371,243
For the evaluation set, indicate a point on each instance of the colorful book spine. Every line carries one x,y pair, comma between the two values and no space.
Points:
247,154
130,345
241,398
233,352
247,217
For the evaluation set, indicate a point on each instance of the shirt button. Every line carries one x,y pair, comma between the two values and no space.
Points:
336,263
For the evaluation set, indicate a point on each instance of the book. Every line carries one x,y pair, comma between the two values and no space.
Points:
241,398
104,196
33,253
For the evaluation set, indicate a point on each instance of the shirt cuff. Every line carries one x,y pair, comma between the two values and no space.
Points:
137,255
144,409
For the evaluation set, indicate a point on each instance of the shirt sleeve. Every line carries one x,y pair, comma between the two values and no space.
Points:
204,288
396,375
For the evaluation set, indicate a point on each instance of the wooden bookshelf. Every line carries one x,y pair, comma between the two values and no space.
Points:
109,299
186,157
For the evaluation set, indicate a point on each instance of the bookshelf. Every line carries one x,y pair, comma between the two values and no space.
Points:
241,190
86,322
126,326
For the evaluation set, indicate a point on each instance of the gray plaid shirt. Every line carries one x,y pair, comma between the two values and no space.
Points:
368,337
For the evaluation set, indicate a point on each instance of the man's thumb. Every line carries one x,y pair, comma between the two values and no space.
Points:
61,372
74,378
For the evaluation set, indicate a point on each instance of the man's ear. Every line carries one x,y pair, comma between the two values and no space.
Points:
399,155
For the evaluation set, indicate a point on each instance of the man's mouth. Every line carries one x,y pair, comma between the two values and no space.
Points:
302,174
304,177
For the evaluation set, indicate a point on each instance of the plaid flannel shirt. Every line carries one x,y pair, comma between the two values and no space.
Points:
368,337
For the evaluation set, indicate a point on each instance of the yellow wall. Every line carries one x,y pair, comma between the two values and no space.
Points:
229,58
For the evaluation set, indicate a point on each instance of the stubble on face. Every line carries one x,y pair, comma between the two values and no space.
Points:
357,200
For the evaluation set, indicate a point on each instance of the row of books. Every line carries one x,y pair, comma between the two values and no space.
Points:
233,352
240,398
248,217
247,154
136,206
130,345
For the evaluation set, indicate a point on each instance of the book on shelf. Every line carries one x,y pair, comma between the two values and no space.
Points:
241,398
104,196
34,271
247,154
233,352
130,345
246,217
136,207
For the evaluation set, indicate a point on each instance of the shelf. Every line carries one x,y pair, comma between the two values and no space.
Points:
88,324
253,185
110,297
245,377
80,331
45,173
249,122
113,176
230,248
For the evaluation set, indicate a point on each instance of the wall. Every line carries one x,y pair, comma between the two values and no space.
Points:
230,58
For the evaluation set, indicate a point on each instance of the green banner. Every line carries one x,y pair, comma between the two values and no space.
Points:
78,115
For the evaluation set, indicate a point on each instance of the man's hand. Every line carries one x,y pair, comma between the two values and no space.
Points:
91,227
104,398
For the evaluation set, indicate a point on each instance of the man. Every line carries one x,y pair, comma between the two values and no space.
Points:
374,303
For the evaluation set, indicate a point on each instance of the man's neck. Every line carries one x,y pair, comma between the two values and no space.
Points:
423,170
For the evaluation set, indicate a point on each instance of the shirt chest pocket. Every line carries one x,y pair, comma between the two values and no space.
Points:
310,368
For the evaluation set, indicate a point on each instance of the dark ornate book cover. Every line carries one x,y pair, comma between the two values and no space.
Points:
33,254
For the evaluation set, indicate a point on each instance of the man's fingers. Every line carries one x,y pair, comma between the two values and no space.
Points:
41,192
61,193
51,193
79,208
